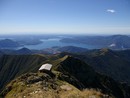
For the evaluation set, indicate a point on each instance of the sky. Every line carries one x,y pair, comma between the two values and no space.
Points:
64,16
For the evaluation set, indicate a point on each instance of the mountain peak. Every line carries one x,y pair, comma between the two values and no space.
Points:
24,51
104,51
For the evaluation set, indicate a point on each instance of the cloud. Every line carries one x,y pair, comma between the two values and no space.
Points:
111,11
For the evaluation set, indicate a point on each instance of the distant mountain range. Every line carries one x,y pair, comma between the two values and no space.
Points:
112,42
8,43
53,50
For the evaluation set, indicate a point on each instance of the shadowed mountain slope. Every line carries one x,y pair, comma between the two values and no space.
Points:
76,71
115,64
12,66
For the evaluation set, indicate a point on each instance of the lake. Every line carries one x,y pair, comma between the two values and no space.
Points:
48,43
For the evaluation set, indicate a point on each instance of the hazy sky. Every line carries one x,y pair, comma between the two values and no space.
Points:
65,16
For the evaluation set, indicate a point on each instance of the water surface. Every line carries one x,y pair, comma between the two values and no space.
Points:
48,43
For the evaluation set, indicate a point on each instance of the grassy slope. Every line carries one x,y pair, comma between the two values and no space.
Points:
12,66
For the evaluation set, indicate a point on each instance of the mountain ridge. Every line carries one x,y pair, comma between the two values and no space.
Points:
81,75
115,42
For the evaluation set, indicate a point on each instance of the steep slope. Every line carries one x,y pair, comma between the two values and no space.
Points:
115,64
112,64
76,71
12,66
74,67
